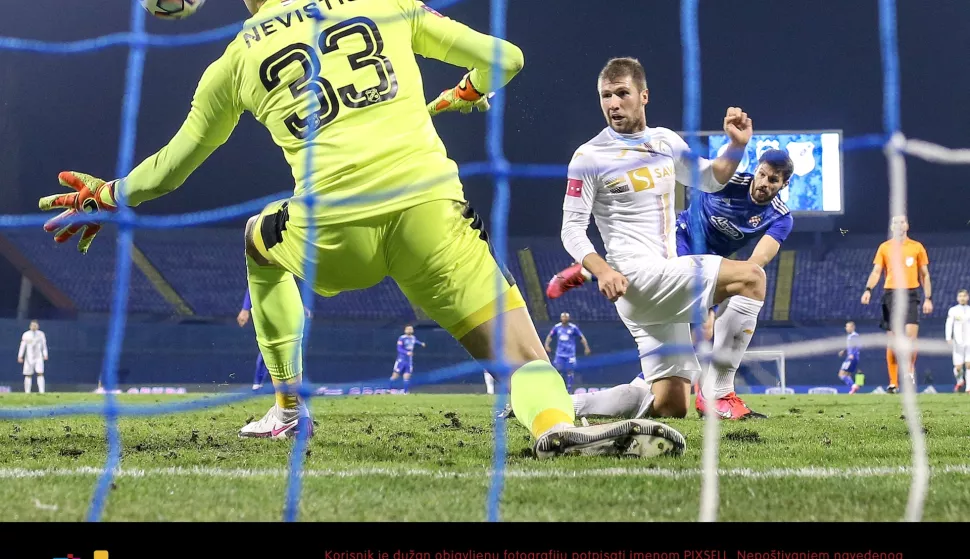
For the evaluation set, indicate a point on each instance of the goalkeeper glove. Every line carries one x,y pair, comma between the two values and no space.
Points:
463,97
92,196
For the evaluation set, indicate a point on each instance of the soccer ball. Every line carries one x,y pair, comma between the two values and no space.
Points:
172,9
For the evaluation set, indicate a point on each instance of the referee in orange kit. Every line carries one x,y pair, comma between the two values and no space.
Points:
908,272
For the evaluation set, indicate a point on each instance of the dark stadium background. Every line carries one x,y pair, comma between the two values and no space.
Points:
791,65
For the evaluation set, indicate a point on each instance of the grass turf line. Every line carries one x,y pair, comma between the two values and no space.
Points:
426,457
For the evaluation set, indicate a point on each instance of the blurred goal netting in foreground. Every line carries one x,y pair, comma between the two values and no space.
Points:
769,362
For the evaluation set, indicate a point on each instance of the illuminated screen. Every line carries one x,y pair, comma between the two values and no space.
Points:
816,186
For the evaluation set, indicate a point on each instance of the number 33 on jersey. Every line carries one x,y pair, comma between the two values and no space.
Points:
337,80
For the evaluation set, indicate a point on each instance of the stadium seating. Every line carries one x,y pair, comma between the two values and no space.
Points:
205,267
88,280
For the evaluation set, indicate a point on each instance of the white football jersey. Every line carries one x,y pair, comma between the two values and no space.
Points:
958,324
33,346
627,181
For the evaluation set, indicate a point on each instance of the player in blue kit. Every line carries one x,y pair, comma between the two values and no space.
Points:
404,364
566,334
848,372
745,210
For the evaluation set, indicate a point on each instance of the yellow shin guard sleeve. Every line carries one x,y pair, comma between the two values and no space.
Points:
539,397
278,317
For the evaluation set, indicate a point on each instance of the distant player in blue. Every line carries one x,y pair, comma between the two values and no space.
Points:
745,210
242,318
847,373
566,334
404,364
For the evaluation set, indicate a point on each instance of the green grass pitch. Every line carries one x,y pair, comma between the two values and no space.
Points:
426,458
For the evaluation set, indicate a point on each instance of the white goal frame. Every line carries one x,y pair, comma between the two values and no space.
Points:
776,356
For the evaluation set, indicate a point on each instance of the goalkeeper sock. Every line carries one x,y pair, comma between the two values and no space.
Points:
407,383
847,380
893,367
40,383
278,317
733,331
569,383
620,401
539,398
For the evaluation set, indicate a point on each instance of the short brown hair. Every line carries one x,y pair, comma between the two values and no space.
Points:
778,160
617,68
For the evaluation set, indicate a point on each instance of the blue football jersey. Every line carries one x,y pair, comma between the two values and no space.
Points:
852,348
566,337
729,219
405,345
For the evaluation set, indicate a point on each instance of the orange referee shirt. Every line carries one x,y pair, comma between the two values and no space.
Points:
914,257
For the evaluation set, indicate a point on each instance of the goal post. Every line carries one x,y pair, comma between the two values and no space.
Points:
777,357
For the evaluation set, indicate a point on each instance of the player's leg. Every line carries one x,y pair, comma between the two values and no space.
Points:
892,365
407,377
260,374
912,332
958,367
489,383
28,376
682,290
966,369
743,285
662,389
570,374
439,255
624,400
847,375
276,251
39,371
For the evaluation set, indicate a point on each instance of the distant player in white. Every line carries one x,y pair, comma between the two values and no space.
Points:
625,177
33,353
958,336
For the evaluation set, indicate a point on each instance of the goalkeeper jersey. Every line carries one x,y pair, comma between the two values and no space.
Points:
338,83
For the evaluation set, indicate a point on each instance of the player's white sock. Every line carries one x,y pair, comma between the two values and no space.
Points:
733,331
40,383
620,401
489,383
27,383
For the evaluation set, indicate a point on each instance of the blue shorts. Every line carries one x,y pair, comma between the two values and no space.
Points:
564,363
402,366
849,365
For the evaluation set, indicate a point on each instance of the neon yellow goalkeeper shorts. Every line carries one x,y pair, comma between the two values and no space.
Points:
437,252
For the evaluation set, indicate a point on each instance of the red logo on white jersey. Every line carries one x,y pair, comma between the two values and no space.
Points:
574,188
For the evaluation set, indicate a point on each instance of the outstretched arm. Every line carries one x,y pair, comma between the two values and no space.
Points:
211,120
766,249
871,282
924,275
213,116
442,38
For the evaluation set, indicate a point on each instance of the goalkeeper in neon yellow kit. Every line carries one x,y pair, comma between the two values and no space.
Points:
339,84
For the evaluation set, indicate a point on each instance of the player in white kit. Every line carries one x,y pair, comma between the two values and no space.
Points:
625,177
958,336
33,353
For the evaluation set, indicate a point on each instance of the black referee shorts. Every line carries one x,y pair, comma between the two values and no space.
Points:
890,298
